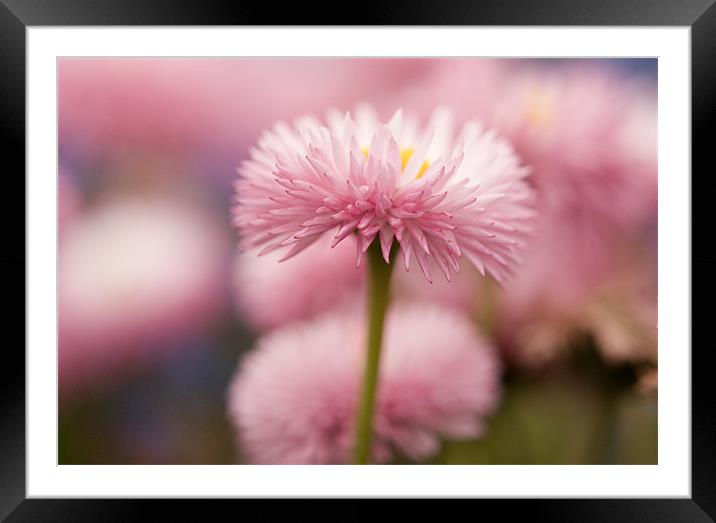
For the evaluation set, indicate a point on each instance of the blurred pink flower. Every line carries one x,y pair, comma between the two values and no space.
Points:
270,293
460,293
293,399
441,199
622,314
589,135
134,275
110,104
567,290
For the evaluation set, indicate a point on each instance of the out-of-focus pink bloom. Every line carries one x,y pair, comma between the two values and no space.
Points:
107,105
293,400
561,294
134,275
589,135
441,198
270,293
563,262
461,293
622,314
637,137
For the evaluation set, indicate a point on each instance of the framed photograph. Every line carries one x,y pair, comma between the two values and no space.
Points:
450,259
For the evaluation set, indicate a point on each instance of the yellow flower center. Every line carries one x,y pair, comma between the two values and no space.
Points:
540,108
405,155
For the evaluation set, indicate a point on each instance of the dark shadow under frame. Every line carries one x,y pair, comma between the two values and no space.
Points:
16,15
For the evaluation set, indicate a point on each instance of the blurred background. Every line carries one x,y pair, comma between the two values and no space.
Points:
156,307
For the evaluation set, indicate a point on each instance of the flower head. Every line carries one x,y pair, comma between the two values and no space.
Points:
440,198
293,400
568,289
134,274
589,135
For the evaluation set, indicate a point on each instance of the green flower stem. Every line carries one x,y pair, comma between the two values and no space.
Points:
378,298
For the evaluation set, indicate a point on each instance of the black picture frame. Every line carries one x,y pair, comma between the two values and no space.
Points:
17,15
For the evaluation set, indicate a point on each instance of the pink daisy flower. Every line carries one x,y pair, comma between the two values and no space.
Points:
134,276
293,400
589,135
441,198
567,289
270,294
